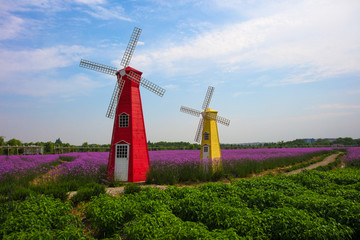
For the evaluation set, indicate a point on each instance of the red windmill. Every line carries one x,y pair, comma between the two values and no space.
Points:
129,157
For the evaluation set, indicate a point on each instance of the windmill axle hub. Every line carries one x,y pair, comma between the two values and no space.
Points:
122,72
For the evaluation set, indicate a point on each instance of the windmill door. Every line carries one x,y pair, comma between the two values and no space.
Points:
206,150
121,162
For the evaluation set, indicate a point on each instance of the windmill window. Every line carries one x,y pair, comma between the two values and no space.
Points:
206,136
121,151
123,120
206,149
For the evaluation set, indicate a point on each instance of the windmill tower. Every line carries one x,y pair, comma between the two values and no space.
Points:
129,157
207,130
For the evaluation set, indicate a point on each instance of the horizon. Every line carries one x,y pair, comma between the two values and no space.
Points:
243,143
281,70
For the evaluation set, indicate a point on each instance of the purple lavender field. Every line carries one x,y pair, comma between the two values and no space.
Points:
83,165
183,156
15,165
180,164
170,167
90,164
353,156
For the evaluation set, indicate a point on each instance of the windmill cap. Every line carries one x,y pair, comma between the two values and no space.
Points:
128,69
211,110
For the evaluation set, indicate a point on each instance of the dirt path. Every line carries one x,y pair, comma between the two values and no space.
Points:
324,162
50,176
116,191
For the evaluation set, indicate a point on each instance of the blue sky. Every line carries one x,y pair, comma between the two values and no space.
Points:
281,69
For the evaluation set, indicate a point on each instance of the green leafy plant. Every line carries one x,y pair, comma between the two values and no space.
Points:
132,188
39,216
86,192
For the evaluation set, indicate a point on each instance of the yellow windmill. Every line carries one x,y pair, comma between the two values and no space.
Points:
207,130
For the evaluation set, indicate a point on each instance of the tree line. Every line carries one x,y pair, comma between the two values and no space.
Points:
321,142
48,147
59,147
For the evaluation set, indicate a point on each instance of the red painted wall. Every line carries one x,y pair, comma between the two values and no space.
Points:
135,135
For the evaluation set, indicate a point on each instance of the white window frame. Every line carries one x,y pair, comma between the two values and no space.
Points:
124,120
122,151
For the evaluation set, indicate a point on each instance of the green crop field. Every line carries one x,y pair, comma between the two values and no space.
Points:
316,204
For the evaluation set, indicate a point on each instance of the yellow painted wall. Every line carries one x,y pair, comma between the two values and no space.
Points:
210,126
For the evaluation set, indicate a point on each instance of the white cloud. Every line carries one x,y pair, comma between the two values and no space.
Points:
45,85
312,40
107,13
39,59
336,106
354,91
170,86
241,93
13,23
10,26
91,2
35,72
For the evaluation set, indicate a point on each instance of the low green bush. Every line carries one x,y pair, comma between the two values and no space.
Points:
86,192
39,216
51,189
19,193
131,188
292,223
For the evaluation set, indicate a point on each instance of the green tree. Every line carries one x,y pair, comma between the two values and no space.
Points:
49,147
58,142
14,142
321,142
85,144
297,143
347,141
2,141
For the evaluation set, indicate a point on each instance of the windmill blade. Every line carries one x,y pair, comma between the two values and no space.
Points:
207,99
152,87
146,83
219,119
190,111
199,130
134,77
131,47
114,99
223,120
97,67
